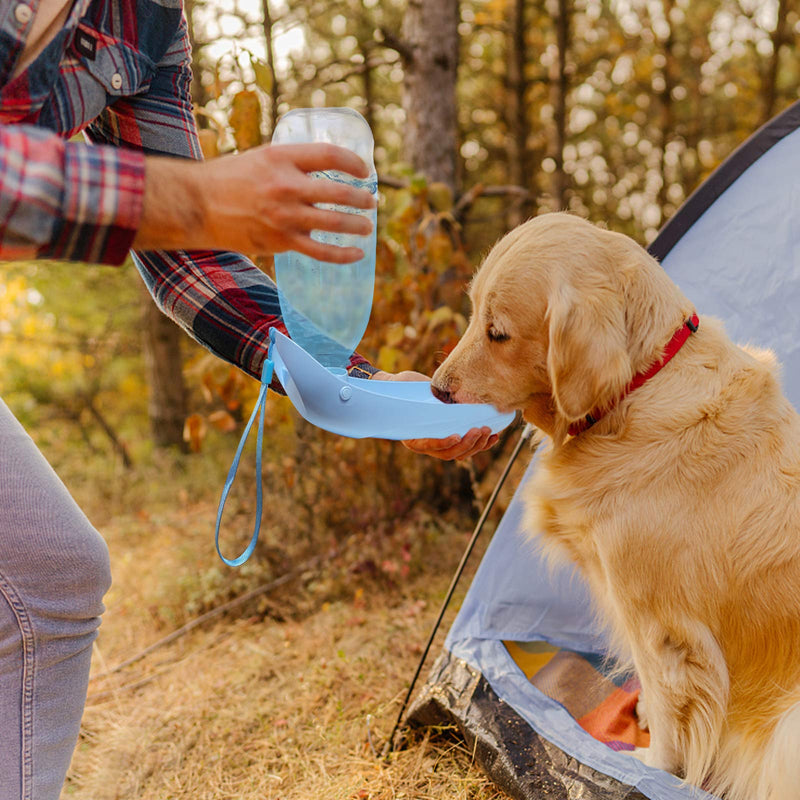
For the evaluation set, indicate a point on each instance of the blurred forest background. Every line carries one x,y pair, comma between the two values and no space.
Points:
484,113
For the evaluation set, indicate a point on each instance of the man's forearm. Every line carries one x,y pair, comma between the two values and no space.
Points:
263,201
174,207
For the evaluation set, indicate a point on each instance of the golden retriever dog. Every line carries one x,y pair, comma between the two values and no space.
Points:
674,488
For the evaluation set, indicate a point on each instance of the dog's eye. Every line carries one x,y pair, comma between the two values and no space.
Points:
495,335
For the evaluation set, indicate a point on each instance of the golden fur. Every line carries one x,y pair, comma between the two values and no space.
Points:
681,507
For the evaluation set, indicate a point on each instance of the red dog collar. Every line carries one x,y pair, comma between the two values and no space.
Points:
674,344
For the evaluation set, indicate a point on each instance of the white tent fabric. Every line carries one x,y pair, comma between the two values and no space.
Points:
741,260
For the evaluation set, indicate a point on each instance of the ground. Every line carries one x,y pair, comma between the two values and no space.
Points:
284,698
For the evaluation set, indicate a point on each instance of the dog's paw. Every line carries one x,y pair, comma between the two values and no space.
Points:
641,714
650,757
639,753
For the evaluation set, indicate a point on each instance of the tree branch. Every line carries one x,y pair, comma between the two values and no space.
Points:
118,445
394,42
462,206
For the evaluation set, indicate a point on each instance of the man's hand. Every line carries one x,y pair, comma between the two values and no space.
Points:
261,202
451,448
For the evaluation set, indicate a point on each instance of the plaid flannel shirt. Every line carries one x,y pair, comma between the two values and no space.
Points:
118,71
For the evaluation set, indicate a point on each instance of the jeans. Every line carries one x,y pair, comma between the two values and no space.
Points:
54,571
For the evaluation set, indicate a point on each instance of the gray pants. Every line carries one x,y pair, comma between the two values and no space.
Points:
54,572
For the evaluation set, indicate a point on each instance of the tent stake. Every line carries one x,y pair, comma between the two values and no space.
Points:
524,436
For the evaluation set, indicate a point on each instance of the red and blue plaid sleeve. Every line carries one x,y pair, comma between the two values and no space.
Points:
65,200
221,299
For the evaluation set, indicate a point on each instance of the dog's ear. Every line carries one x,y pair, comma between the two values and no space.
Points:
587,356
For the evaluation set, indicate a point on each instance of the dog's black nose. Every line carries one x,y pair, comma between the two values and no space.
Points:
442,394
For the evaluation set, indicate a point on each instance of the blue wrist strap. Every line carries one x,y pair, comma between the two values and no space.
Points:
266,377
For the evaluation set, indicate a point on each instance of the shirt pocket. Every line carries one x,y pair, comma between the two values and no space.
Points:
120,69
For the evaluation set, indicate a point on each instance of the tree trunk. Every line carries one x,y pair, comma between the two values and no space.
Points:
770,86
669,73
274,88
199,94
560,91
167,407
517,121
430,50
369,89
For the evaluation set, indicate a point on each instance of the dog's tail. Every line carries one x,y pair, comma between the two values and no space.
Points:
750,767
780,772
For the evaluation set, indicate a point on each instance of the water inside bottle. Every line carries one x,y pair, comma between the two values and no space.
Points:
325,306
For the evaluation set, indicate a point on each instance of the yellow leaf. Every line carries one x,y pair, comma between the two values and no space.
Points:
395,334
230,391
194,431
385,259
440,316
440,196
209,143
387,358
131,384
245,120
399,225
418,184
390,359
208,386
440,251
222,421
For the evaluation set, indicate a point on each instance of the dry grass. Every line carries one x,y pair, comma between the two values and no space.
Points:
254,707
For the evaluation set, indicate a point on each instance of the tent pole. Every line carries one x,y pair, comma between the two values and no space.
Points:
524,436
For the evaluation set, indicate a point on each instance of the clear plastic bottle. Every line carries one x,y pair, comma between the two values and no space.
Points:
326,307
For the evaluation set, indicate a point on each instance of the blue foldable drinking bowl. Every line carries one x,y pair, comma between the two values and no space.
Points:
361,408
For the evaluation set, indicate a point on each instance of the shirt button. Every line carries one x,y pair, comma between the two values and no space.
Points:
116,80
23,13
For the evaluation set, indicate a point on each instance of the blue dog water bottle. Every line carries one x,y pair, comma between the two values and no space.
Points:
326,307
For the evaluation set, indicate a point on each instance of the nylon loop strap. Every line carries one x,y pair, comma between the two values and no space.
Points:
266,377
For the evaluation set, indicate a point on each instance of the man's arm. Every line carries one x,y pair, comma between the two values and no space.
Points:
215,294
261,201
65,200
221,299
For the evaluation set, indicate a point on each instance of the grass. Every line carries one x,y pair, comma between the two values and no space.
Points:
286,700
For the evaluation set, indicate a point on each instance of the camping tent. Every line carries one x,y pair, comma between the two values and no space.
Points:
522,673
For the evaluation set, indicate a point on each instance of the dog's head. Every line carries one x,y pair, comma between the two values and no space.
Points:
564,314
